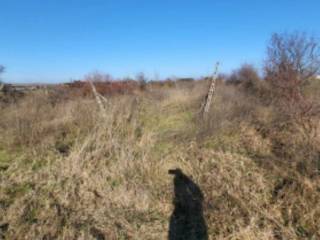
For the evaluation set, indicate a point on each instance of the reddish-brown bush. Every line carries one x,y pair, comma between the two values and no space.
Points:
83,88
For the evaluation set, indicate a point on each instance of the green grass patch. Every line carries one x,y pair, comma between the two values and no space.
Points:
5,160
18,190
226,143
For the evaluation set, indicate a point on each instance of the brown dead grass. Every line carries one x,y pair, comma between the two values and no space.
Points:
74,173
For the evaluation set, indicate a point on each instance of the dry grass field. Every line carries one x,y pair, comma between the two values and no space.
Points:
159,120
71,169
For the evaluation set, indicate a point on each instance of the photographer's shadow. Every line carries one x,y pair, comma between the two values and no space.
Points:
187,221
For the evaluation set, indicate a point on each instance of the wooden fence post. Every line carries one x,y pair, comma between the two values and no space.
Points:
211,92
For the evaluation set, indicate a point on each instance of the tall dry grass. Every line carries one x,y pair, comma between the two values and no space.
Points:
70,172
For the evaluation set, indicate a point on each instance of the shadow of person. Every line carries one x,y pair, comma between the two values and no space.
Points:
187,221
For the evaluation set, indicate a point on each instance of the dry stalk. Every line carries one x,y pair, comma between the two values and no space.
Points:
99,99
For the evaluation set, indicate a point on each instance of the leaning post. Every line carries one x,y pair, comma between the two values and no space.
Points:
211,92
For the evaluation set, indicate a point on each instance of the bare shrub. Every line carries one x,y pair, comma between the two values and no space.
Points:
293,61
142,81
247,79
246,75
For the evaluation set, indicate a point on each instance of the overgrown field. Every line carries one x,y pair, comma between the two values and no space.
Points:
72,170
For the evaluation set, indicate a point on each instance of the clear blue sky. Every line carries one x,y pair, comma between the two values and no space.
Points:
56,40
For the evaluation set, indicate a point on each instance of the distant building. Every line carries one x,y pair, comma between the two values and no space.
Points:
318,77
